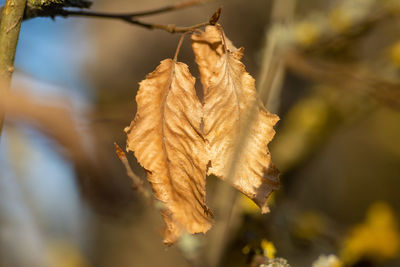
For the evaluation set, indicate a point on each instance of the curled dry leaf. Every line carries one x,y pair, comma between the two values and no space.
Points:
229,95
166,139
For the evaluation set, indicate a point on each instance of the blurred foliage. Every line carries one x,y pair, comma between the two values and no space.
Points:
395,53
268,249
377,239
64,254
309,225
313,117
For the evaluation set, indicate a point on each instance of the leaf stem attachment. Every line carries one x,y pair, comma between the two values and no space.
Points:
178,48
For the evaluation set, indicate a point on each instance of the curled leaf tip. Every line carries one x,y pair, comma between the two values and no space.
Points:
215,17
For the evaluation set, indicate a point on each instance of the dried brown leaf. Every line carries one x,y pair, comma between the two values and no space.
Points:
166,139
229,94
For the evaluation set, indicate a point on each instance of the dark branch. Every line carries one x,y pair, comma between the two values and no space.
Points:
60,11
130,18
55,11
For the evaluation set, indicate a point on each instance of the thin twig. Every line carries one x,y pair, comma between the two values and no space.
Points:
131,15
126,17
137,183
129,18
178,48
174,29
59,10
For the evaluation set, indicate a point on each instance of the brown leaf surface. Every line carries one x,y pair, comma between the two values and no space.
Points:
165,137
208,50
229,93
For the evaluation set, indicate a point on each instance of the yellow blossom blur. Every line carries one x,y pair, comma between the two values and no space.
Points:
309,225
65,254
327,261
268,248
395,53
377,238
307,33
340,20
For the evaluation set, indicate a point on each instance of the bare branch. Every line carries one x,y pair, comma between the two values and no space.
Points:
9,32
52,12
131,17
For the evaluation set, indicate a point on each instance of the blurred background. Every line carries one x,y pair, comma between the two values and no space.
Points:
329,69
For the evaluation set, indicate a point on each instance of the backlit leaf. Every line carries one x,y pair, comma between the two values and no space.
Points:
229,95
166,139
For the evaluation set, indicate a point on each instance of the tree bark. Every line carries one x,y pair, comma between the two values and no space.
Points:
10,25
